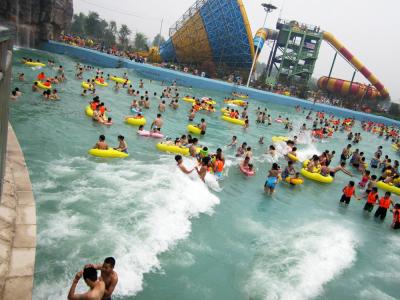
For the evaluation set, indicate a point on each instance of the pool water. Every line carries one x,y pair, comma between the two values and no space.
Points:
174,237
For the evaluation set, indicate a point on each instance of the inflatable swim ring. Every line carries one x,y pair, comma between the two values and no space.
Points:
232,120
208,101
294,181
101,84
187,99
278,120
193,129
225,111
246,171
42,86
388,187
395,148
236,102
119,80
136,122
146,133
89,112
292,157
240,96
34,64
278,139
136,110
175,149
109,153
316,176
87,86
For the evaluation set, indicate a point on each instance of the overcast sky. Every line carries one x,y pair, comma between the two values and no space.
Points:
369,29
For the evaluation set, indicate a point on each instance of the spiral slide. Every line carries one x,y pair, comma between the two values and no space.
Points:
345,87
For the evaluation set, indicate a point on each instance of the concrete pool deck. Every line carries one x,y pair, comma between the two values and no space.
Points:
18,226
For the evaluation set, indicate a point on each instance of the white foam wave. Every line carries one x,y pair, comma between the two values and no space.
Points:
295,264
132,210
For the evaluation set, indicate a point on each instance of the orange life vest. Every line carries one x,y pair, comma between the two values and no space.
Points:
102,109
93,105
218,166
372,197
349,191
384,202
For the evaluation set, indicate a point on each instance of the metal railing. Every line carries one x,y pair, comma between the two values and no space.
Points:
6,42
186,16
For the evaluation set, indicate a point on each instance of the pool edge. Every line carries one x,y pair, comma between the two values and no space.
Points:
18,226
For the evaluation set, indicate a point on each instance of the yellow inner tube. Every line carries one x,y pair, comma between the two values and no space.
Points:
193,129
233,121
87,86
42,86
278,139
295,181
316,176
191,100
89,112
175,149
119,80
225,111
388,187
101,84
109,153
292,157
394,147
34,64
237,102
136,122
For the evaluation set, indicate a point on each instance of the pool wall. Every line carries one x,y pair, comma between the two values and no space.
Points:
161,74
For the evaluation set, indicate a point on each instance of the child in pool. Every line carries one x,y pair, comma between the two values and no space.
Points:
365,178
348,192
272,180
272,151
123,146
233,142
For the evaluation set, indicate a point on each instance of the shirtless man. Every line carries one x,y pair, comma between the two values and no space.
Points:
123,146
157,124
179,160
192,148
203,126
161,106
96,286
101,144
108,276
202,171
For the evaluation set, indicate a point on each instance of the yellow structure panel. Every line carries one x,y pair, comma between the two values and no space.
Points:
191,41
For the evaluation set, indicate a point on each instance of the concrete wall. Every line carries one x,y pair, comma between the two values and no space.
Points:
156,73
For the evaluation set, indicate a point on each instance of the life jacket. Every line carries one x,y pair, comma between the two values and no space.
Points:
372,198
349,191
46,83
384,202
396,215
41,76
93,105
232,114
102,109
218,166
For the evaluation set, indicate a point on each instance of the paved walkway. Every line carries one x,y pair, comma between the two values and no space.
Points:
17,227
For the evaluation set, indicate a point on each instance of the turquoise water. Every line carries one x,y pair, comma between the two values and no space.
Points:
174,237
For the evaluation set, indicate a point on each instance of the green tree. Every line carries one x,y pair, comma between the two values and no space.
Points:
78,24
112,26
140,43
158,40
123,35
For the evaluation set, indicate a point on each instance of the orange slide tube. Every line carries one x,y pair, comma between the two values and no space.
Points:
356,63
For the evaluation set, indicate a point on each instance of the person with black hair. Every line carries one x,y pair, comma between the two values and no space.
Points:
96,286
108,276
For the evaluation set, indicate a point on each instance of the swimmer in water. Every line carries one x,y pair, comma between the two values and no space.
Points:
96,285
101,144
348,192
123,146
108,275
179,160
233,143
272,180
202,171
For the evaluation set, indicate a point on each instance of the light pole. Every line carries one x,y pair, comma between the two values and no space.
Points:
267,8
